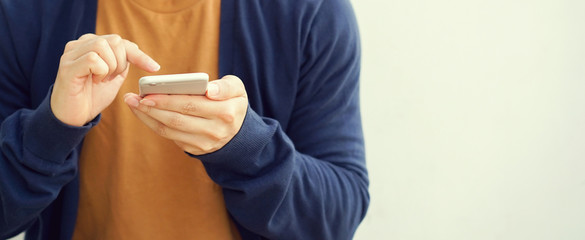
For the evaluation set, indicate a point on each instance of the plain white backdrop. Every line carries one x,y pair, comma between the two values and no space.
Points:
474,117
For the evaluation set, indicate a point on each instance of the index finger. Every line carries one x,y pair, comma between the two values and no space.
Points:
139,58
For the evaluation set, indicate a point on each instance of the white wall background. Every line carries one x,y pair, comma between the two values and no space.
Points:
474,116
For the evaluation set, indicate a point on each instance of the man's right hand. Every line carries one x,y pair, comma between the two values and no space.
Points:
91,71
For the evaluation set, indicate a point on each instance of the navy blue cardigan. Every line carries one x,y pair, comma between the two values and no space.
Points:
296,169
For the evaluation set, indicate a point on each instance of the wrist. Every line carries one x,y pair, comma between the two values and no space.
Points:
63,111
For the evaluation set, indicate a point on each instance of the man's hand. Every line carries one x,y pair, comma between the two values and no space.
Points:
91,71
197,124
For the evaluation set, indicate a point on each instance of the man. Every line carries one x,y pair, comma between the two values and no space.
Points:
274,150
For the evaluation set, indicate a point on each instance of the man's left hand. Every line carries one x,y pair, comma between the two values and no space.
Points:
197,124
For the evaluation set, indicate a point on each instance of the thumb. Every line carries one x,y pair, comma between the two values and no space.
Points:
226,88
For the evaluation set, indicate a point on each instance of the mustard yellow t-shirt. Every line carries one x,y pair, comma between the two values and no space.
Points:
135,184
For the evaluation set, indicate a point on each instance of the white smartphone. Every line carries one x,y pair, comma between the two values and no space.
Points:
185,83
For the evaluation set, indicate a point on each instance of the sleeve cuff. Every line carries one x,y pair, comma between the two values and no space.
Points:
48,138
243,150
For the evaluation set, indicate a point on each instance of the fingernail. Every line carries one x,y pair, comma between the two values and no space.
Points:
212,89
147,102
154,66
131,100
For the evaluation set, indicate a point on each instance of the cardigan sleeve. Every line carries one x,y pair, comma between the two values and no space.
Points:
38,153
308,181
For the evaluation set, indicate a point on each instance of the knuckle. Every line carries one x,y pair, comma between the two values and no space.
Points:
189,108
64,58
86,36
161,130
101,43
209,132
183,146
112,65
144,109
219,134
176,120
228,115
93,57
230,132
131,44
69,45
192,150
206,147
121,68
215,135
147,109
114,39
